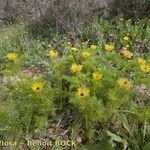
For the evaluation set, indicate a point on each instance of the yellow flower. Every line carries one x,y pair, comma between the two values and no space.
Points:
97,75
141,61
124,83
93,47
109,47
74,49
37,86
125,38
53,54
127,46
49,45
76,68
83,92
69,43
85,54
11,56
127,54
145,68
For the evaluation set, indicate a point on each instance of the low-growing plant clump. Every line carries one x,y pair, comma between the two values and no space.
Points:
95,92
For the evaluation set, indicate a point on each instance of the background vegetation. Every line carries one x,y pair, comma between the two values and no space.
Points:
111,116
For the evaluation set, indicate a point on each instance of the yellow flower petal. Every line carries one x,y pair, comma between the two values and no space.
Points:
97,75
127,54
53,54
85,54
49,45
108,47
37,86
125,38
93,47
124,83
83,92
141,61
145,68
76,68
74,49
11,56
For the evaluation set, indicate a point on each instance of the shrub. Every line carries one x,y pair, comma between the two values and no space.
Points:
75,19
94,89
66,17
135,9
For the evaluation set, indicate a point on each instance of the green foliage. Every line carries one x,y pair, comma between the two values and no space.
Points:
102,109
78,20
